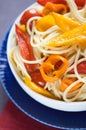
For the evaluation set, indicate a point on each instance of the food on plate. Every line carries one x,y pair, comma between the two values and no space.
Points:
49,50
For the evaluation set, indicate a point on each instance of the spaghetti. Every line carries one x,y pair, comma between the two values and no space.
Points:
69,85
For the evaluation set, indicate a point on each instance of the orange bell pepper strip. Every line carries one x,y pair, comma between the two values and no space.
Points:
51,7
45,22
53,68
38,89
68,81
64,22
71,37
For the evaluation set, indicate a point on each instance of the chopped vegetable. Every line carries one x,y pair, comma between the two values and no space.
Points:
64,22
71,37
51,71
79,3
68,81
58,8
23,28
43,2
45,22
28,14
81,68
25,48
38,89
37,78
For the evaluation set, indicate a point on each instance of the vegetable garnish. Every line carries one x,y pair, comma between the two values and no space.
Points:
49,70
43,2
71,37
37,88
25,48
63,22
23,27
45,22
79,3
28,14
81,68
68,81
58,8
37,78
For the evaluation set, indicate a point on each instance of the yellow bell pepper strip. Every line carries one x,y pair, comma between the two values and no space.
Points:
51,7
64,22
51,71
23,27
37,88
71,37
68,81
45,22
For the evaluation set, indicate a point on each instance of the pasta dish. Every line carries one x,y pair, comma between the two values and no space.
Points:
49,52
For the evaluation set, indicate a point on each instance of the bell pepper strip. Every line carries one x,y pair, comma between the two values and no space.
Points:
68,81
71,37
45,22
64,22
28,14
58,8
80,3
81,68
50,70
37,88
25,48
23,27
43,2
37,78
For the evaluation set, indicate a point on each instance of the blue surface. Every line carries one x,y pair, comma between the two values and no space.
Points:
41,113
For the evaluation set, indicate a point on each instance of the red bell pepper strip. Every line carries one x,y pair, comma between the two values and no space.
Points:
28,14
81,68
25,48
43,2
79,3
37,78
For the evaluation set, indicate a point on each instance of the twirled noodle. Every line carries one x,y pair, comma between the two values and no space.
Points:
73,53
75,12
15,57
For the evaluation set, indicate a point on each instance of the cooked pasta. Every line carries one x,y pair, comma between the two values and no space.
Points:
60,56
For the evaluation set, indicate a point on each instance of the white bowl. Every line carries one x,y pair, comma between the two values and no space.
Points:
51,103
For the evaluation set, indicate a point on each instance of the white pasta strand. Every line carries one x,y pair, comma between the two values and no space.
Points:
32,62
74,11
54,88
43,50
29,22
19,63
75,68
68,89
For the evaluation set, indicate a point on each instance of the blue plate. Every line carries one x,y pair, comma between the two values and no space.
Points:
35,110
